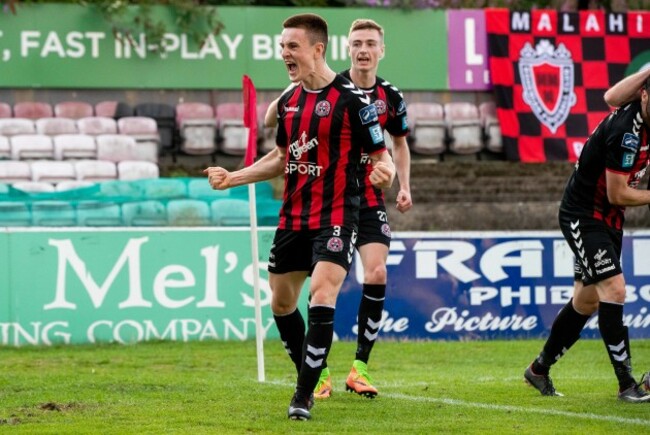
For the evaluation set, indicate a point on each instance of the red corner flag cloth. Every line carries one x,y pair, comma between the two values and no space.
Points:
250,119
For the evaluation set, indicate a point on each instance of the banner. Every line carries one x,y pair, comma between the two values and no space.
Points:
487,285
550,70
129,285
468,52
79,50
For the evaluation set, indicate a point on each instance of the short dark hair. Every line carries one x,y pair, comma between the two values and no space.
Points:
314,25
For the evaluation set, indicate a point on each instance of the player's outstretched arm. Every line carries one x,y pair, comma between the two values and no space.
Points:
628,89
269,166
402,159
383,170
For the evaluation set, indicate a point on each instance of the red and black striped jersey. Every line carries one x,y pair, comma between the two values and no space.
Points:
619,144
391,109
324,133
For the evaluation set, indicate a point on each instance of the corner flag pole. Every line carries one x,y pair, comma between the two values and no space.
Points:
250,121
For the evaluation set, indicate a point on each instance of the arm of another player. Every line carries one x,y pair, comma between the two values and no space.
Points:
402,160
383,170
626,90
619,193
269,166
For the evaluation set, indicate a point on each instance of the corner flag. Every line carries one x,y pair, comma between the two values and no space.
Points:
250,121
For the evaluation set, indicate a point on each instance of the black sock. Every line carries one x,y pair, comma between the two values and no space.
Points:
564,333
369,318
317,345
617,343
292,333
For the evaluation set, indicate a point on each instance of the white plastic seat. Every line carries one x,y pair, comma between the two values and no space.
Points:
53,172
233,136
66,185
145,132
34,186
491,127
95,170
12,171
197,126
464,128
96,125
5,148
54,126
137,170
31,146
74,146
428,128
188,212
116,148
14,126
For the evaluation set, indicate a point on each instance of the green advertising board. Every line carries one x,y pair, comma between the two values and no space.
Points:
121,285
72,46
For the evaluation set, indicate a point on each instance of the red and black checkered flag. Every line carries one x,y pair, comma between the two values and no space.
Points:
550,71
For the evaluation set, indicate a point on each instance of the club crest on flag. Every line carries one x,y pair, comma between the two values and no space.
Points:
547,78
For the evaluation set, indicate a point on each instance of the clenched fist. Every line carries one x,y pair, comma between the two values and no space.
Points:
218,177
382,175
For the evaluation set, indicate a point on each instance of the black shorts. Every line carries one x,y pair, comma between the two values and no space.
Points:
294,251
596,246
373,226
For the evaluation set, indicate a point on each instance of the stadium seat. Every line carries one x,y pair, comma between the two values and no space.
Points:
428,128
233,136
5,148
491,128
34,186
12,171
31,147
464,128
165,116
53,172
5,110
33,110
96,125
116,148
266,134
53,213
201,189
95,170
137,170
197,126
268,212
113,109
54,126
99,214
74,146
230,212
144,213
14,214
164,188
73,109
145,132
65,186
188,212
14,126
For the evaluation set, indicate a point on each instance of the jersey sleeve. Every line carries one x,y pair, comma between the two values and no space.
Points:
281,136
622,143
397,124
366,129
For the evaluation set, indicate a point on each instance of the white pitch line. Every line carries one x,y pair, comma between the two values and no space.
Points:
505,408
